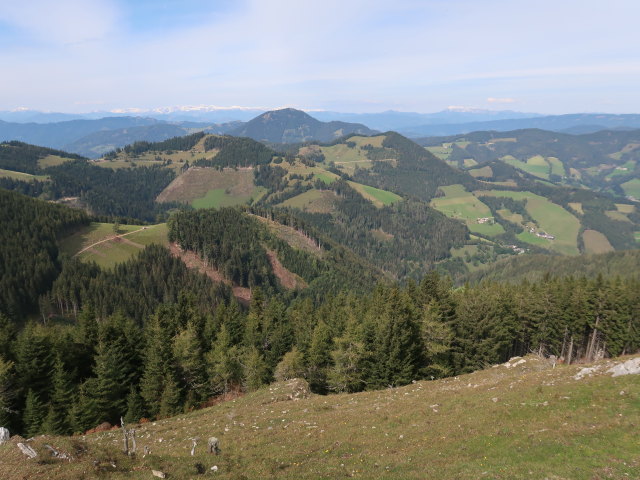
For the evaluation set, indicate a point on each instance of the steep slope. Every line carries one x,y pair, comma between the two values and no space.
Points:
536,421
294,126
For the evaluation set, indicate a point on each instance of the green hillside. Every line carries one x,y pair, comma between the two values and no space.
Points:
603,161
536,422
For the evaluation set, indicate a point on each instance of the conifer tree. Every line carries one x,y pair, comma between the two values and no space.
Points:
7,416
189,358
319,358
223,366
34,414
170,400
254,369
58,421
135,406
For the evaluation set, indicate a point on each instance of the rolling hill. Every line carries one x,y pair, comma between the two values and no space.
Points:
602,161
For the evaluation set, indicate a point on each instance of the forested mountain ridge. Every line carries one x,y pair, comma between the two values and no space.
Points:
295,126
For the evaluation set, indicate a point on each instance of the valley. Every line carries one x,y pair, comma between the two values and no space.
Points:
206,279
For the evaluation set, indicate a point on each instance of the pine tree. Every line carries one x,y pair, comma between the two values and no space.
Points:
254,370
225,371
135,406
33,415
156,366
319,358
170,400
6,393
85,413
189,358
58,418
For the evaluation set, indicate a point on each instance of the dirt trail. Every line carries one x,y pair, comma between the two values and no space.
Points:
113,237
193,261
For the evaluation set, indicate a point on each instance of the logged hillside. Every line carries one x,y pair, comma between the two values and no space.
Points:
537,422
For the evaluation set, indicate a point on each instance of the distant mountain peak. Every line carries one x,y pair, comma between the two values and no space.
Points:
290,125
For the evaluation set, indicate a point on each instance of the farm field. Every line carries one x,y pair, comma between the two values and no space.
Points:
596,242
617,215
25,177
463,205
551,218
625,208
53,161
632,188
482,172
314,201
441,152
537,422
111,249
536,165
577,206
380,198
364,141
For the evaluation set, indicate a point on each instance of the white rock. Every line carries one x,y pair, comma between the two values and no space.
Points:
4,435
630,367
214,468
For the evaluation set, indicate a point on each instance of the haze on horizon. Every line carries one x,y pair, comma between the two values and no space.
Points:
355,56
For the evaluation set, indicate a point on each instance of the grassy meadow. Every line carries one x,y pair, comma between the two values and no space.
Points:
551,218
109,249
520,420
461,204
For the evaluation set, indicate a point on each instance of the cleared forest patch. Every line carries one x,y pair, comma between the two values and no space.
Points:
205,187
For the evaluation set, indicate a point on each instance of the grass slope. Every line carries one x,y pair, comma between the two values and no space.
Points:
25,177
518,420
109,250
460,204
208,187
551,218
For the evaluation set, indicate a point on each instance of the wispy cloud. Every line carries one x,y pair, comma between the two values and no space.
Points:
357,55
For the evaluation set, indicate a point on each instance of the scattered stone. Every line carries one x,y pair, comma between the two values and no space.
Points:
494,399
214,468
57,454
213,445
585,372
621,392
159,474
4,435
630,367
27,450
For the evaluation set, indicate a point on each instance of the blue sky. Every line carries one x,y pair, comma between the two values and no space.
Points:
557,56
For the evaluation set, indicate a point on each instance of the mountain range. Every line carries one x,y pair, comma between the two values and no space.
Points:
93,137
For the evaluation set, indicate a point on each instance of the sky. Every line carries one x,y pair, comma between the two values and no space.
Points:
559,56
